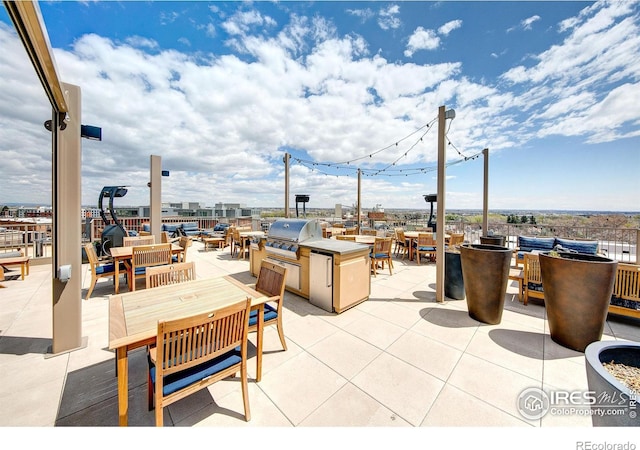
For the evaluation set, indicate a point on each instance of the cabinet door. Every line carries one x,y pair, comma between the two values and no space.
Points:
352,282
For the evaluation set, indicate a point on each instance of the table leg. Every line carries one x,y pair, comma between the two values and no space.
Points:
123,385
260,335
117,275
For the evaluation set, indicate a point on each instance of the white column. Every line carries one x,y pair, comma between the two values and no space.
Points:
67,226
155,197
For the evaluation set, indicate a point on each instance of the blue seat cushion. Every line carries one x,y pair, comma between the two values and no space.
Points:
105,269
141,270
270,313
426,249
170,227
589,247
174,258
191,226
379,255
180,380
535,287
527,244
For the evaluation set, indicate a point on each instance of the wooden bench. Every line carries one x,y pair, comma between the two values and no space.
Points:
22,261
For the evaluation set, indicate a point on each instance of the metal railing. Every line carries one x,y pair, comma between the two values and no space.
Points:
616,243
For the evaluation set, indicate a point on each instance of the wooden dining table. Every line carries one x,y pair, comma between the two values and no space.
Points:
121,254
412,237
134,316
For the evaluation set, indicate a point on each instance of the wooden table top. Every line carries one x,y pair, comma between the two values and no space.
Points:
133,316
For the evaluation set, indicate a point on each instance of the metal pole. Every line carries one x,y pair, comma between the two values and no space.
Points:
485,197
286,185
440,211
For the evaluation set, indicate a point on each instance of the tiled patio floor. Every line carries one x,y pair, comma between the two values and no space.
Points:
397,360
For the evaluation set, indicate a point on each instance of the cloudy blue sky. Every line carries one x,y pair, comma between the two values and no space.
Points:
222,90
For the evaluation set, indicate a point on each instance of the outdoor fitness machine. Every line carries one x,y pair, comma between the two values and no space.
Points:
113,232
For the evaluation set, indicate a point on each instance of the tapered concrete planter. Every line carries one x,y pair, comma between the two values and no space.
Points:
616,405
577,291
453,279
496,239
485,269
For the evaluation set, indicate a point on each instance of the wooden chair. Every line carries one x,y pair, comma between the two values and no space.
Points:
369,232
170,274
344,237
381,252
271,283
100,268
532,284
185,243
402,243
131,241
194,352
456,239
241,244
147,256
350,230
425,245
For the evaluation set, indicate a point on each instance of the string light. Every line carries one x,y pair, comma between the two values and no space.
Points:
389,170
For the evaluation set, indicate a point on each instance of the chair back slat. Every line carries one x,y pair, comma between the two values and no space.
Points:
92,256
130,241
187,342
170,274
271,279
627,284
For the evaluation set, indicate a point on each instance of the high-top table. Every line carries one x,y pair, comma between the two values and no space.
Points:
134,316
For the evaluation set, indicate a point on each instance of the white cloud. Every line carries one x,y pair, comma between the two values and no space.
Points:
529,21
449,27
388,17
221,124
364,14
422,39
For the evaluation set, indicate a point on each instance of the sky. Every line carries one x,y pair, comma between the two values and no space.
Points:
221,91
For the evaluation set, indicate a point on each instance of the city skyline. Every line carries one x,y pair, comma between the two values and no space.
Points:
221,91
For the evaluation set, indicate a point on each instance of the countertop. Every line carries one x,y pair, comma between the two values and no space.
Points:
335,246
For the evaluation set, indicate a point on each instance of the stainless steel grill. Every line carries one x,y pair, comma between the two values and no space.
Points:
286,235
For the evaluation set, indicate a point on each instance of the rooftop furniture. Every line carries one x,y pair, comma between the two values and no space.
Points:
130,241
402,243
532,283
625,299
99,268
545,244
271,283
344,237
166,238
194,352
456,239
170,274
134,316
351,230
425,245
145,256
240,243
381,253
184,242
518,276
22,261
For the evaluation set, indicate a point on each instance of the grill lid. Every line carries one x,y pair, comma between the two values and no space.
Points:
295,230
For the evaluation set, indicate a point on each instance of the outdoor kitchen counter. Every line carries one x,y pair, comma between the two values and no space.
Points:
335,247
